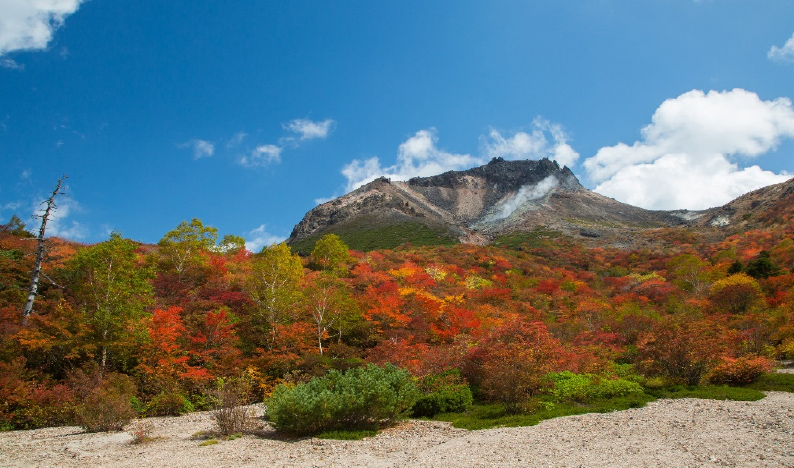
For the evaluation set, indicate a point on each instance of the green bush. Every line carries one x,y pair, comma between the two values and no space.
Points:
587,387
447,392
364,397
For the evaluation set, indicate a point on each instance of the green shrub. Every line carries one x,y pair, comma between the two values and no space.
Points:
364,397
169,403
654,383
588,387
443,393
626,372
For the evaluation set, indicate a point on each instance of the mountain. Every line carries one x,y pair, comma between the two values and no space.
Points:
502,197
769,207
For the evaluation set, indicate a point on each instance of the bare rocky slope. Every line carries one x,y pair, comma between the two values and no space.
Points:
480,204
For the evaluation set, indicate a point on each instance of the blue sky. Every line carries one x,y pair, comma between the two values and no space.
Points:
246,114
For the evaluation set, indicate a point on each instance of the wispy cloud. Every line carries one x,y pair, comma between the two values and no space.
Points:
687,157
10,64
418,156
260,238
201,148
782,54
60,223
11,206
236,140
308,129
30,25
544,139
264,155
261,156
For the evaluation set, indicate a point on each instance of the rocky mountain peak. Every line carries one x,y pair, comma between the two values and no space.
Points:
477,205
504,175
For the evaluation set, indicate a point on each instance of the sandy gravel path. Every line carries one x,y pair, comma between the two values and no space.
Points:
676,433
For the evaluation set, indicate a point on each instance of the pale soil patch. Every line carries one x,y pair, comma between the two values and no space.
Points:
677,433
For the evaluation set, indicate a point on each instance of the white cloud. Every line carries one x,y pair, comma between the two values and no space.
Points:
58,224
261,156
10,64
418,156
261,238
201,148
11,206
321,200
264,155
236,140
782,54
685,159
308,129
532,145
30,24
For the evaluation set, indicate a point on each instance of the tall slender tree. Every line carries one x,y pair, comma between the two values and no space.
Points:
274,286
111,286
49,207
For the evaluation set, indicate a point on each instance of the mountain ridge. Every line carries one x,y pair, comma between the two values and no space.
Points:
480,204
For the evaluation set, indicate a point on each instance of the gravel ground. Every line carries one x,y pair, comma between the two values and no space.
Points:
675,433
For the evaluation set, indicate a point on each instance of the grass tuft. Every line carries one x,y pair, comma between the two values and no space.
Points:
347,434
709,392
774,382
490,415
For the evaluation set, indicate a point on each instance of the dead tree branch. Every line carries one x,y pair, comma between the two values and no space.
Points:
50,207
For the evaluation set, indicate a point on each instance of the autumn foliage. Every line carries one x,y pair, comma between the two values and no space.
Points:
158,327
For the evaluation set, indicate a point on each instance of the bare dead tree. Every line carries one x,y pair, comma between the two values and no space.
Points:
50,206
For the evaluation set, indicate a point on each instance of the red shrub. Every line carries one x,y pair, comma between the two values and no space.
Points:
740,371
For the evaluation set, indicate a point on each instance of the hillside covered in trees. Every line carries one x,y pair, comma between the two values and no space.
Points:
153,329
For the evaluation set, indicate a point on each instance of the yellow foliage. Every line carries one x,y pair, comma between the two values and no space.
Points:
475,282
643,278
436,273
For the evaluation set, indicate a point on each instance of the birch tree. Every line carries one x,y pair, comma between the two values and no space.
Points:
111,286
274,286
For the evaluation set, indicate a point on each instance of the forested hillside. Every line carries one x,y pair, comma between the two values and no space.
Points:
154,327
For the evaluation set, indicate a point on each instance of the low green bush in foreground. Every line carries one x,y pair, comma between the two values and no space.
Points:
486,416
361,398
447,392
354,404
587,387
583,393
